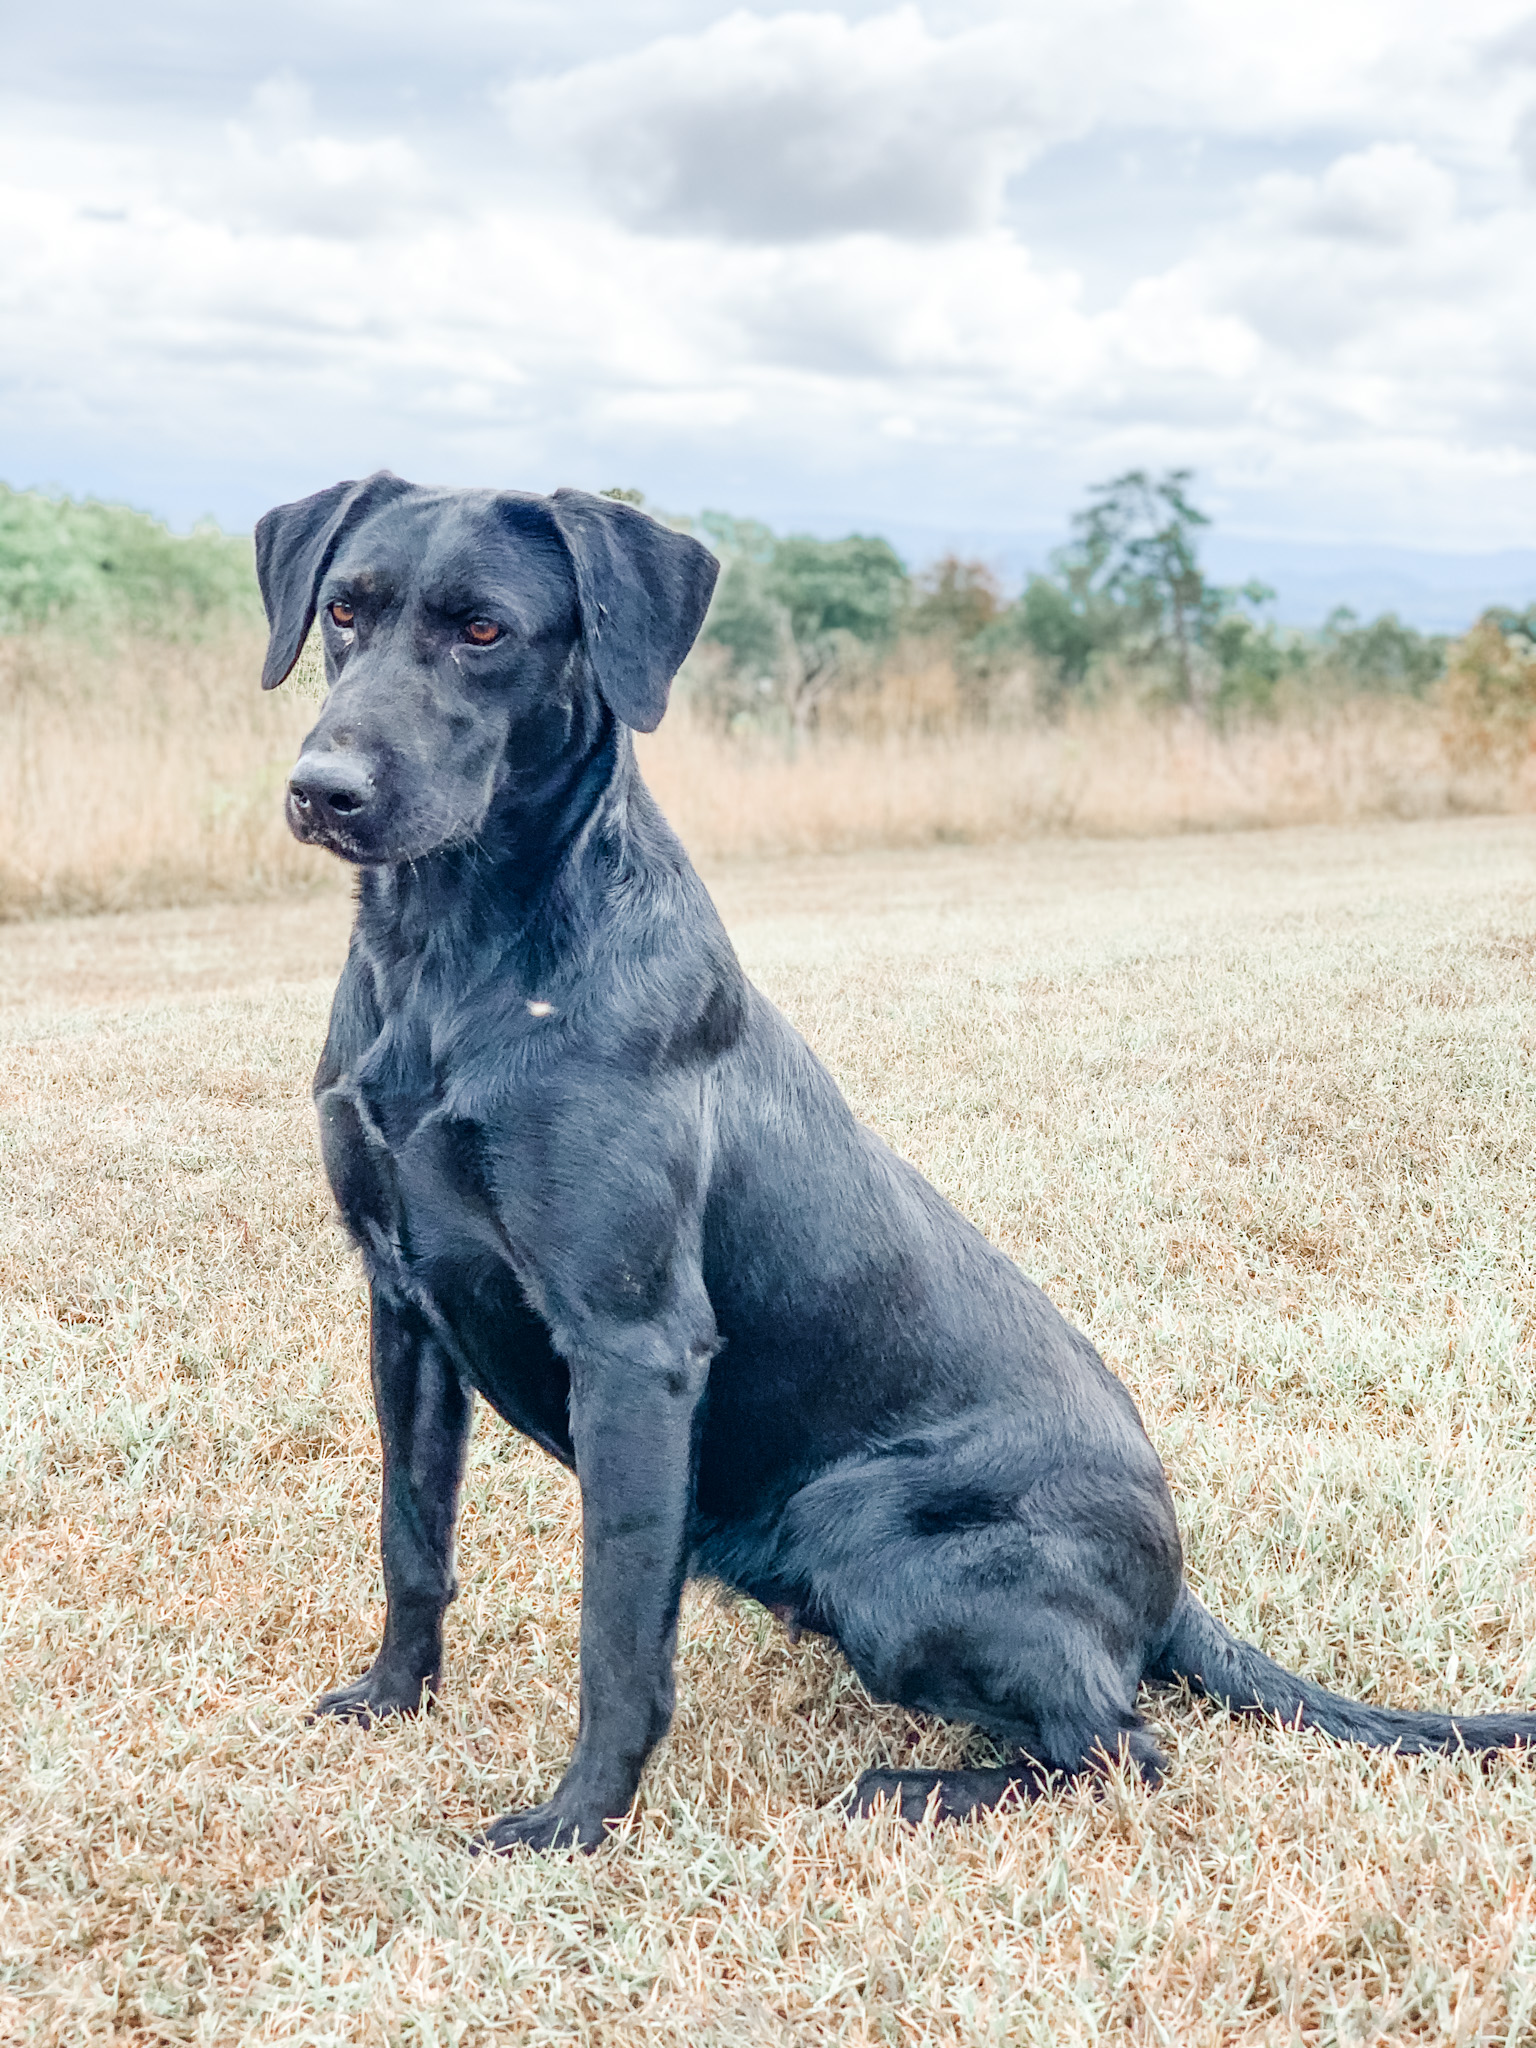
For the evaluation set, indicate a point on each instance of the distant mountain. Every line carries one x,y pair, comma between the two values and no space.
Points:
1438,593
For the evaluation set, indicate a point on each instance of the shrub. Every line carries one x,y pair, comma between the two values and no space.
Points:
1381,657
106,568
1487,697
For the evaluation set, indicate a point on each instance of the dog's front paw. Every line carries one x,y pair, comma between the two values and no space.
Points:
541,1827
373,1697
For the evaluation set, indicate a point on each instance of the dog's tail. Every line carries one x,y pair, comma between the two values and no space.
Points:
1213,1661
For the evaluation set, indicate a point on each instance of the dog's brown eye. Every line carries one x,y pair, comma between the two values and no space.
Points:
482,632
343,614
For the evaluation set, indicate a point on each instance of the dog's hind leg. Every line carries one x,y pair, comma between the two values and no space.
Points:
1041,1682
1086,1736
962,1583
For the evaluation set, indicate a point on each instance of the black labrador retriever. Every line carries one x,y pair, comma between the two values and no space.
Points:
598,1179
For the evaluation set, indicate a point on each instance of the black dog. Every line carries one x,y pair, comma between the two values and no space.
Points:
598,1179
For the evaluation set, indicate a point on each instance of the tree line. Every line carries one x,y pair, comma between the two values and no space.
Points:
1126,604
799,622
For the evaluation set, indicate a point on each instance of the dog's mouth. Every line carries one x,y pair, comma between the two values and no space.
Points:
356,832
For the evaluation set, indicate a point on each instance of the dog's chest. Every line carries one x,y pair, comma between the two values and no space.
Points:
402,1165
407,1178
405,1174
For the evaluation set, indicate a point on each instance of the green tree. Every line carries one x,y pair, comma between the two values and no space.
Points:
1136,546
855,586
794,612
1130,583
1061,617
836,596
1383,657
1254,662
744,618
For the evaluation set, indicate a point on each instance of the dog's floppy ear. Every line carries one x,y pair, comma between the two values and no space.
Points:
642,591
294,547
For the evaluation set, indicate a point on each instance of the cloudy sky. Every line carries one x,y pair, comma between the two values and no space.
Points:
930,268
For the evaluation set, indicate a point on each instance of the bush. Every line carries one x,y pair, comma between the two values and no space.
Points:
1487,698
1382,657
106,568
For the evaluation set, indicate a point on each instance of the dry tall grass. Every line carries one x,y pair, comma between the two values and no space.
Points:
1260,1114
153,774
147,773
1112,773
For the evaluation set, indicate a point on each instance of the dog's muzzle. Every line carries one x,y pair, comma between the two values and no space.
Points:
329,795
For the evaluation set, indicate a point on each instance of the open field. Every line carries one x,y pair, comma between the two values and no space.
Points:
1258,1110
151,774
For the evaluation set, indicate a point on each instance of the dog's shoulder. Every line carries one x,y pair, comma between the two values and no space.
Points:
663,988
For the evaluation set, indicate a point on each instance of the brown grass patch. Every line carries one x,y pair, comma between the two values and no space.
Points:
1119,771
143,774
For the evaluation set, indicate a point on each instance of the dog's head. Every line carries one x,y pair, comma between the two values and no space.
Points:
468,636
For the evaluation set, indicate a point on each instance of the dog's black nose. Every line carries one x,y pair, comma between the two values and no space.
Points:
338,784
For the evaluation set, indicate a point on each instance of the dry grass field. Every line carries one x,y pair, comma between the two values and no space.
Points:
1258,1110
149,773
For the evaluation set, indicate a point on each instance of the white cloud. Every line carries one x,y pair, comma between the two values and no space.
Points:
1376,309
796,125
772,258
973,310
1525,143
280,171
1390,193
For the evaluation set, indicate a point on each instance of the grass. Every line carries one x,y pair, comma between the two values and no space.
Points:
1257,1109
1118,771
145,772
150,773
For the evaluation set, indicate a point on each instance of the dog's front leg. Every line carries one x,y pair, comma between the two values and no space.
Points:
635,1401
424,1416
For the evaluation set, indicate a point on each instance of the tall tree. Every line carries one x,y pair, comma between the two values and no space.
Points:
1137,543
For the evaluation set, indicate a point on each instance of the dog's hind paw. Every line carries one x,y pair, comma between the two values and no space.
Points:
915,1796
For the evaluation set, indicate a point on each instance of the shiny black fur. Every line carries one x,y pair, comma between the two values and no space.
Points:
599,1180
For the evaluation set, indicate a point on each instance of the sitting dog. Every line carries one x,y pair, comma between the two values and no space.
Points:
597,1179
